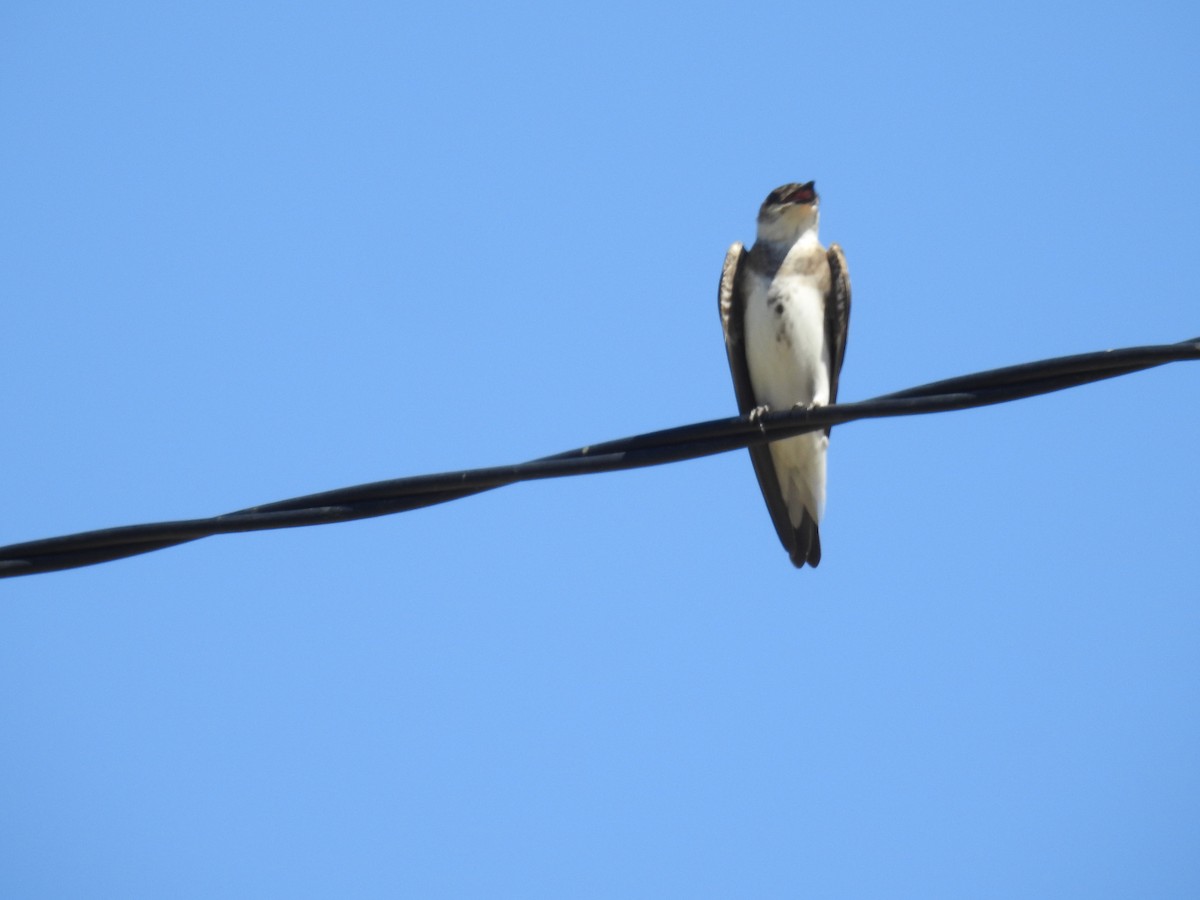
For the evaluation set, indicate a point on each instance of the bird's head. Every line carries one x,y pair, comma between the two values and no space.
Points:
788,212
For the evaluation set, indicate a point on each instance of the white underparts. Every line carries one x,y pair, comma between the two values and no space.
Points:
788,360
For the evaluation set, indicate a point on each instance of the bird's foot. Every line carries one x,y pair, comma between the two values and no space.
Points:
756,415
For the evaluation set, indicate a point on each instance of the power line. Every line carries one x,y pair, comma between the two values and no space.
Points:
652,449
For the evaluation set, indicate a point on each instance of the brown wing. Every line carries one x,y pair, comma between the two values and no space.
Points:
731,304
837,316
803,543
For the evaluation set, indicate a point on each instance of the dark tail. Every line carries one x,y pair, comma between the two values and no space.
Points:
806,546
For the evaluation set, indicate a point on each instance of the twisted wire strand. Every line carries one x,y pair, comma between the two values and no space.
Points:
651,449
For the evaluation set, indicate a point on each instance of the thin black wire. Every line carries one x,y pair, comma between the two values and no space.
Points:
652,449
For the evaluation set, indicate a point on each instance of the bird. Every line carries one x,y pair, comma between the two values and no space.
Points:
785,314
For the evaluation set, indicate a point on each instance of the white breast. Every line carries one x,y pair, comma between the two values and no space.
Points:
785,342
788,359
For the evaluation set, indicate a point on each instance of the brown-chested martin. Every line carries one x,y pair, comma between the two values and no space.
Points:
785,310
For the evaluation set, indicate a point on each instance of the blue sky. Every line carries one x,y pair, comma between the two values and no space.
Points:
257,251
